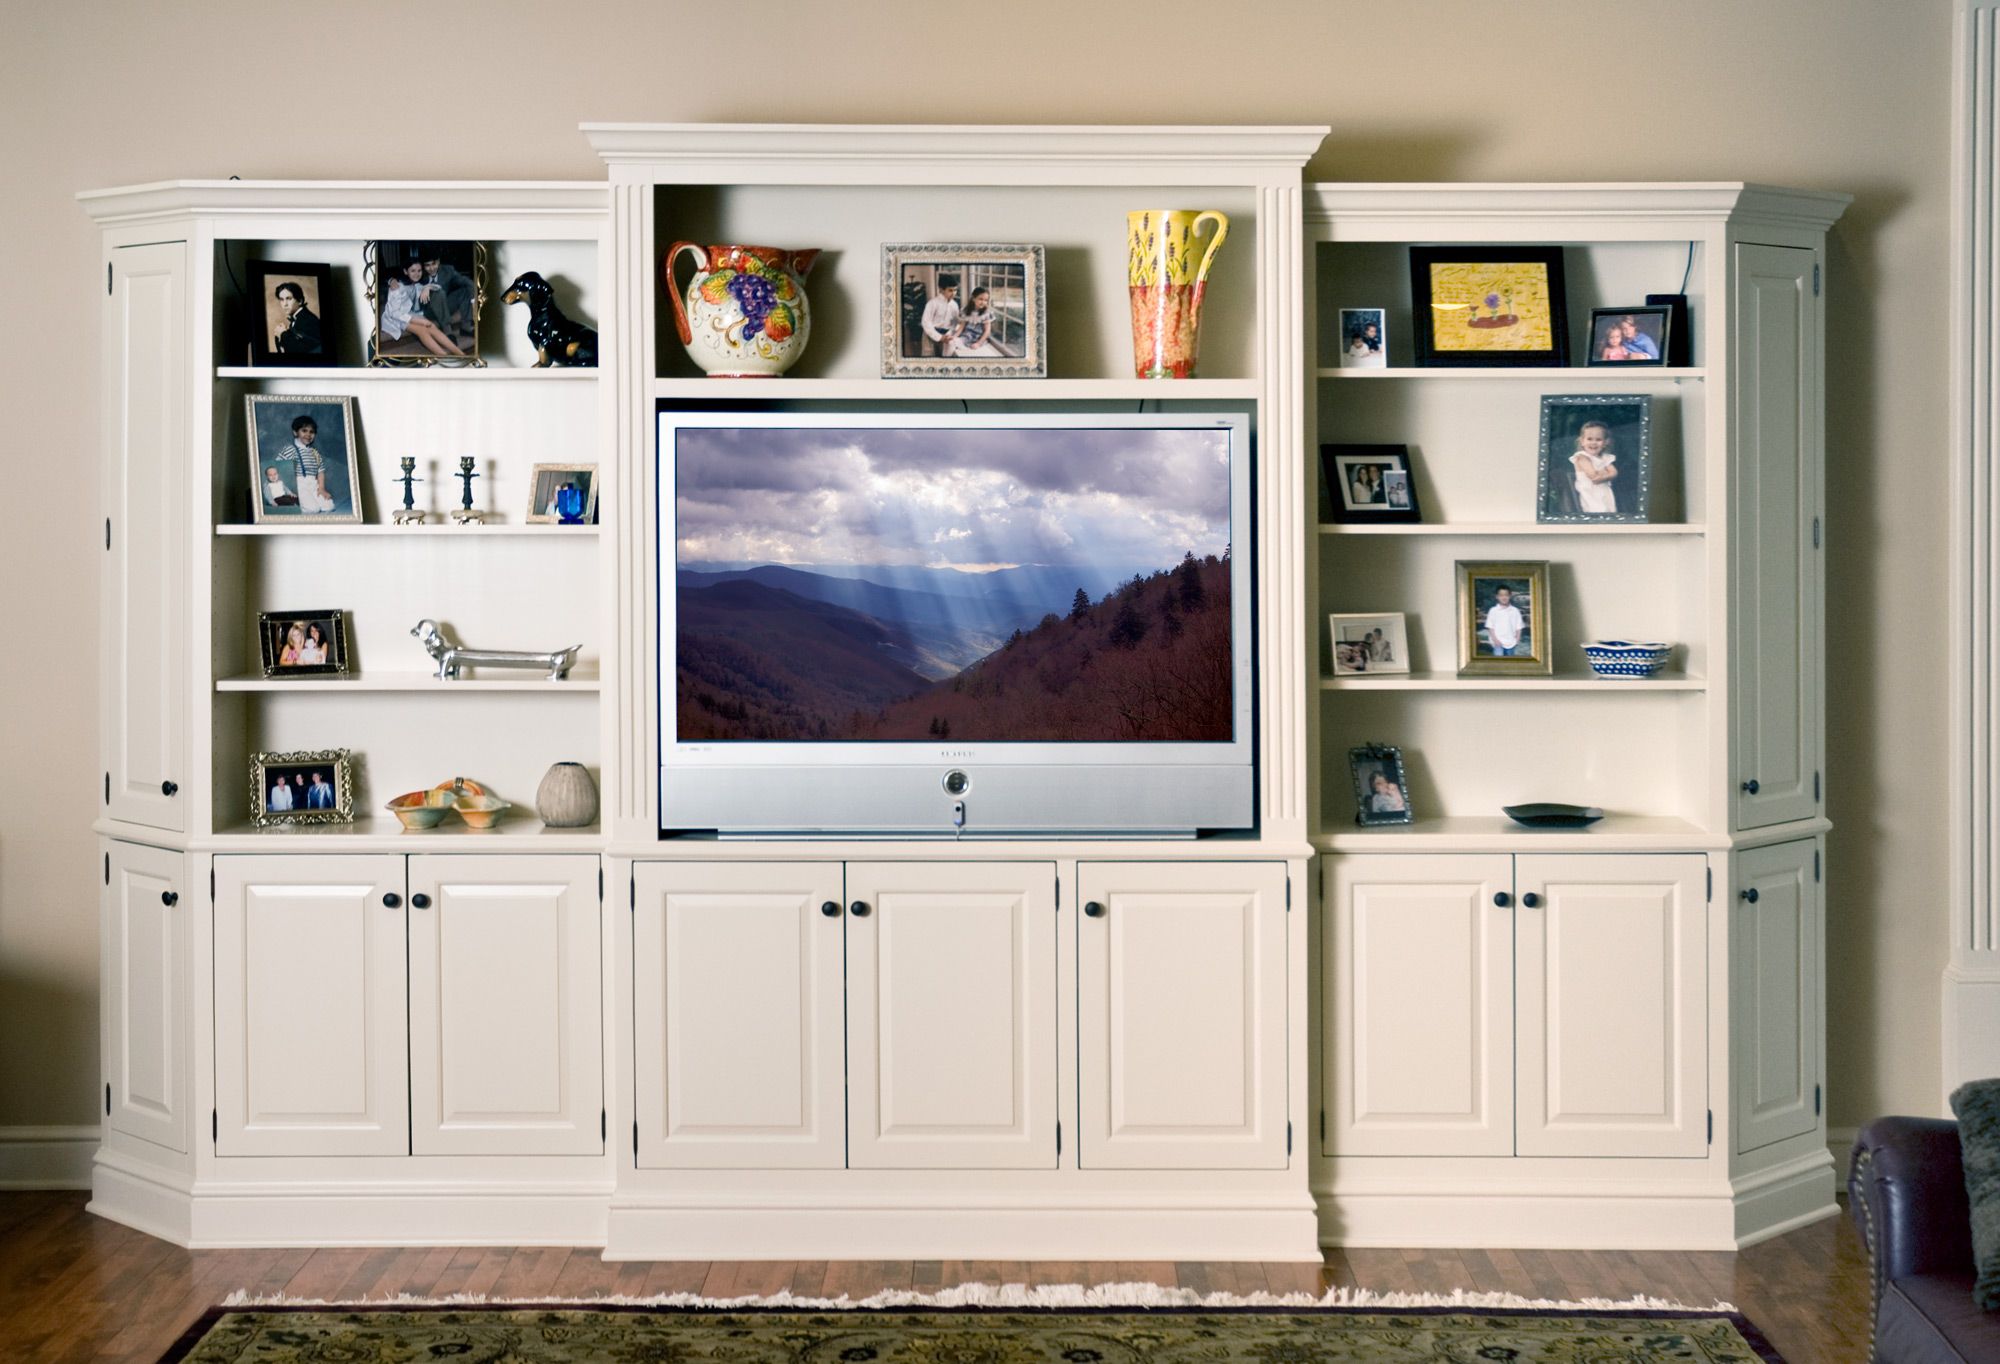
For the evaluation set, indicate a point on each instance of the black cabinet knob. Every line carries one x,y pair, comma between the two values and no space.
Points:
393,900
859,909
1750,788
1530,900
1751,895
830,908
1502,899
1094,909
170,898
420,901
169,788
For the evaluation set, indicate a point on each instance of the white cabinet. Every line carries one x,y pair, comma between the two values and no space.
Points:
1540,1005
145,622
345,983
1777,971
145,994
1181,1016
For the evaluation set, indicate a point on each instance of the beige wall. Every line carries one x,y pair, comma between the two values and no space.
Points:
1836,94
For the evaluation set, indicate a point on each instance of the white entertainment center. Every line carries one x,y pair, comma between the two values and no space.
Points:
1241,1046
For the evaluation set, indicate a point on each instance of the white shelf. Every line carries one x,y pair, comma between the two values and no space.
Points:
524,680
371,374
428,529
371,832
1585,681
1551,528
958,390
1497,833
1608,375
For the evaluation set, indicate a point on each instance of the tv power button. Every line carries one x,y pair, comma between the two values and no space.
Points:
956,783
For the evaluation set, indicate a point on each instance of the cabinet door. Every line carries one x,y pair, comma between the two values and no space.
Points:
1776,715
506,1047
1419,978
311,1024
736,999
145,623
951,1020
1181,1015
1611,1024
1774,955
145,1008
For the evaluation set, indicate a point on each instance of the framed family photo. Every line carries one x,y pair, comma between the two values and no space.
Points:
426,298
303,464
564,494
302,643
1365,644
1630,336
964,310
1596,457
1489,305
288,306
1369,482
1381,791
1503,611
1364,338
315,787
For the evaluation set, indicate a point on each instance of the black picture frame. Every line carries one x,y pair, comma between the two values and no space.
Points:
278,653
298,335
1373,807
1390,468
1479,285
1654,333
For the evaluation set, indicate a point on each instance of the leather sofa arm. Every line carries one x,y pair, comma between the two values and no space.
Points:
1906,1192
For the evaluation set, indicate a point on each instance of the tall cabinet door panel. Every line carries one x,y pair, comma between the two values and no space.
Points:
1611,1042
311,1023
145,623
736,994
951,1020
506,1045
1181,1016
1774,951
1777,623
145,1007
1419,981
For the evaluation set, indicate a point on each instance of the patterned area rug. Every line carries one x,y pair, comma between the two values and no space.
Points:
572,1334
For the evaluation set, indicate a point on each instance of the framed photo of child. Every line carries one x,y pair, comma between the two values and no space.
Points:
1367,644
1629,336
302,643
1364,338
964,310
1596,457
426,298
1503,619
1367,483
1381,792
303,464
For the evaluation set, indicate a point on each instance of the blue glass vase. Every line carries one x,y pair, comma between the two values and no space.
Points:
569,505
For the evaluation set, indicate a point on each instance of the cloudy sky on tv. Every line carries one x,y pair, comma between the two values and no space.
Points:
970,499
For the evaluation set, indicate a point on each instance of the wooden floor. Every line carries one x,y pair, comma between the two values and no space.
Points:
75,1287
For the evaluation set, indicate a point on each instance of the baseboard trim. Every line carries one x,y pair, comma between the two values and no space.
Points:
47,1157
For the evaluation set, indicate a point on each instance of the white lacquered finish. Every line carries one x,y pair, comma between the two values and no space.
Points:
1777,970
737,1004
311,1024
506,1052
145,927
951,1019
1181,1016
1611,974
1418,1055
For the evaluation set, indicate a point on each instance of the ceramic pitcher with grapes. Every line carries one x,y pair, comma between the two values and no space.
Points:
744,314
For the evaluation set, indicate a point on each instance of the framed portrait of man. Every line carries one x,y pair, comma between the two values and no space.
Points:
288,313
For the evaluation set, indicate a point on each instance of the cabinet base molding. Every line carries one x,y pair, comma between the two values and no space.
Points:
1785,1197
662,1230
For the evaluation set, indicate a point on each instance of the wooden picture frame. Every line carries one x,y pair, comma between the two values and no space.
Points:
1370,483
300,476
1483,588
1646,341
542,486
287,313
923,285
1488,306
1381,787
425,298
1596,458
289,788
302,643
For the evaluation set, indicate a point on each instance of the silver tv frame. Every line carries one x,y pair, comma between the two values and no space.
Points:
801,788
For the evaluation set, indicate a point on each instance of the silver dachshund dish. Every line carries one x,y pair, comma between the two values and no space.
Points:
450,658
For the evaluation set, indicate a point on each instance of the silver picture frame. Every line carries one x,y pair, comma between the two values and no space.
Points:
1012,341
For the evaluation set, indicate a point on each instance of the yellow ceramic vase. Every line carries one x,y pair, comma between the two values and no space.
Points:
1167,282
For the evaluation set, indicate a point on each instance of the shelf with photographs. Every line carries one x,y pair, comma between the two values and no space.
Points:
1615,833
1441,681
577,683
876,392
375,374
1606,376
1463,529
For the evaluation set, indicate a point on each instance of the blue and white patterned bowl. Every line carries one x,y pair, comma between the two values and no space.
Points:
1626,658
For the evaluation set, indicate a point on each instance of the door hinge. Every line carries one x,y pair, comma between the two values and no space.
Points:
107,532
107,788
632,893
635,1141
1711,1127
600,885
1322,1127
1288,893
1058,1141
1815,279
107,869
1815,788
1288,1138
211,884
1711,886
1815,864
1815,1101
214,1127
1815,532
604,1124
107,1098
107,277
1059,910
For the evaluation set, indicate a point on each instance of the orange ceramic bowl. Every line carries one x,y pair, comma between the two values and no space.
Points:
481,812
421,809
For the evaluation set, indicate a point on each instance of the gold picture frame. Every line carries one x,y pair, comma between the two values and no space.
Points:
439,324
303,774
1487,587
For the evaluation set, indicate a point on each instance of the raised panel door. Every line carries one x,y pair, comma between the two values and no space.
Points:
311,1022
737,1007
1774,954
1777,616
145,1008
506,1045
145,623
951,1020
1181,1015
1419,980
1611,1024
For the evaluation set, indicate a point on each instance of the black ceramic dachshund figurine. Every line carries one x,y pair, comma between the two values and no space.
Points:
558,341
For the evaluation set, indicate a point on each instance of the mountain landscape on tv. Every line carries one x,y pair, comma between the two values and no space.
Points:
1025,654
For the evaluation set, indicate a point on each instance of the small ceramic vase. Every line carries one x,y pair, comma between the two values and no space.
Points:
1167,283
744,314
567,797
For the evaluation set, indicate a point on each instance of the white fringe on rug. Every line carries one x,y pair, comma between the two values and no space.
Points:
1012,1295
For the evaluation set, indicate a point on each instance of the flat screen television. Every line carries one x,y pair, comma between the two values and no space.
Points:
966,625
